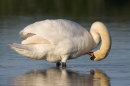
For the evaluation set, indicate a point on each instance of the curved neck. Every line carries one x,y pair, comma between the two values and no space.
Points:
100,32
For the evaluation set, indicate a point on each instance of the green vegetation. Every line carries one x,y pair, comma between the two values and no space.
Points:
74,8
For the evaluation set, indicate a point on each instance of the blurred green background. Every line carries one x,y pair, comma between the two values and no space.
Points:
107,10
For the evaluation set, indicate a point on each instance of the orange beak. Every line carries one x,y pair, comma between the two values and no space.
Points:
90,54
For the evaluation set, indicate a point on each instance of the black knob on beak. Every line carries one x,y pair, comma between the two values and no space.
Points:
93,57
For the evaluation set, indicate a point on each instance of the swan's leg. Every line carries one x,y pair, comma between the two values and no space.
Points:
58,64
64,59
63,64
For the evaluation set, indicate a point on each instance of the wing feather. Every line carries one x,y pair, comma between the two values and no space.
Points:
26,36
54,31
35,40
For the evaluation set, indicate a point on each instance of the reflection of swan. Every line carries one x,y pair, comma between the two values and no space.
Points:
60,40
58,77
100,78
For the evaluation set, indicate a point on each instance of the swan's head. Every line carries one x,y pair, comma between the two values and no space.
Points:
98,55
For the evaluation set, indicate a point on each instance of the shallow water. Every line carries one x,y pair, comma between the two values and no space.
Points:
16,70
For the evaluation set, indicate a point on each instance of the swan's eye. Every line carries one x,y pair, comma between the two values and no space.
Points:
93,57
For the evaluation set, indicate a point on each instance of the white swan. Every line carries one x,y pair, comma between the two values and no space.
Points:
60,40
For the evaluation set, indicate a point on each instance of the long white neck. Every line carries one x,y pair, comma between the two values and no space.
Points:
100,32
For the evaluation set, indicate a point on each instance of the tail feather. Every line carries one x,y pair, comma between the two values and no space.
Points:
21,49
20,46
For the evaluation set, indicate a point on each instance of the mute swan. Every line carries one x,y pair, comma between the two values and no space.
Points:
61,40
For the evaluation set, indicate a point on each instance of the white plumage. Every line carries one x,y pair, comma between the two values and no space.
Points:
59,40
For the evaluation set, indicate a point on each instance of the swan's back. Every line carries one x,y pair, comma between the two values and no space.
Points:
58,27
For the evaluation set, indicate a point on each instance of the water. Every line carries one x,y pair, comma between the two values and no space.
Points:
16,70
